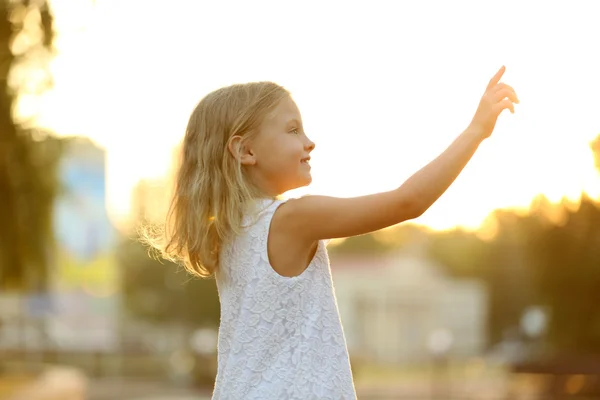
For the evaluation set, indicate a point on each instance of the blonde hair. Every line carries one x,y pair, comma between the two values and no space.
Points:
212,190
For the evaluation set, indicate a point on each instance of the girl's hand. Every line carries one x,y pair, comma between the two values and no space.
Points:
497,97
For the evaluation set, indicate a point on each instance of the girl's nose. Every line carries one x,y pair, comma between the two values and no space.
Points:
309,145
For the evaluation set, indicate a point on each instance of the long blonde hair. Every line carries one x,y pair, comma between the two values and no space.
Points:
212,190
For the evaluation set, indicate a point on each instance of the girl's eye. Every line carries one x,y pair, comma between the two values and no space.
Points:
295,131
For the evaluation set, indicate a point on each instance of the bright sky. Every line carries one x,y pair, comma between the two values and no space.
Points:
383,86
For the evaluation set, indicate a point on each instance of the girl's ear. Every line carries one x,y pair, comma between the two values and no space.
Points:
240,150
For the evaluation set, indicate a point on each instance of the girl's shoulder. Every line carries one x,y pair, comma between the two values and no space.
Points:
260,210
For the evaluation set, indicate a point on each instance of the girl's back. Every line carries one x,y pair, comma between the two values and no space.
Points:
280,337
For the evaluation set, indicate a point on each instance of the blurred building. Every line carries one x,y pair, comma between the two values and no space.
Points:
80,310
402,309
85,281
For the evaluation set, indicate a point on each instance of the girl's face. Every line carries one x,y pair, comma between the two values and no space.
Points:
281,151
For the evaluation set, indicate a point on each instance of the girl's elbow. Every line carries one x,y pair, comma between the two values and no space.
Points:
416,210
411,208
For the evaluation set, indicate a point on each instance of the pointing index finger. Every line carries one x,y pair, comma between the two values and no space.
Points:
494,81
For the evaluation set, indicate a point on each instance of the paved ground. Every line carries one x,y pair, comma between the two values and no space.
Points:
413,389
110,389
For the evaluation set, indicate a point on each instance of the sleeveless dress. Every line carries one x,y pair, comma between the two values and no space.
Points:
279,337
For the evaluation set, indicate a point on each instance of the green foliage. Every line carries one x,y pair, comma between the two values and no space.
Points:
549,257
363,244
566,262
461,253
161,291
377,242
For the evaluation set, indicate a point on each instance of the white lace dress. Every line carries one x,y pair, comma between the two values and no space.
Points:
280,338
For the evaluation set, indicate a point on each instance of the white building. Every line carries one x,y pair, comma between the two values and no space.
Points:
398,309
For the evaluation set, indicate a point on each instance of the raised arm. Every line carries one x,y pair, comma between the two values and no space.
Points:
322,217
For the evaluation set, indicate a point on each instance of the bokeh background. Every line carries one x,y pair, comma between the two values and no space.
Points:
492,294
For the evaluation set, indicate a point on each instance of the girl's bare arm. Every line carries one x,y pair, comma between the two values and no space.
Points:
322,217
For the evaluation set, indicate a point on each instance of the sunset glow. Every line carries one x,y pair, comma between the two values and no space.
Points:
383,88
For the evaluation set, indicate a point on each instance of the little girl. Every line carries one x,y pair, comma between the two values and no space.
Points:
280,335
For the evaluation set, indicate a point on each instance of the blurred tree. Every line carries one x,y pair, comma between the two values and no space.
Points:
377,243
163,292
566,258
461,253
550,257
28,156
500,262
509,272
363,244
